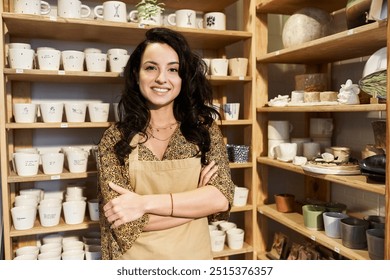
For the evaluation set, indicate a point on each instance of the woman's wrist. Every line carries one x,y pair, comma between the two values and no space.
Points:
159,204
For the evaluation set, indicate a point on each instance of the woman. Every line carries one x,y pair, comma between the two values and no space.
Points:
163,168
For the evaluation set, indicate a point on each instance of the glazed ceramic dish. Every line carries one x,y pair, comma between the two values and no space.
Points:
374,164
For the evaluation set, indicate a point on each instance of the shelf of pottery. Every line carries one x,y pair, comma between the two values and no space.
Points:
63,73
315,151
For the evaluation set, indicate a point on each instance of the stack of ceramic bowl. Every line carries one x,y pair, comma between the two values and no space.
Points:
278,132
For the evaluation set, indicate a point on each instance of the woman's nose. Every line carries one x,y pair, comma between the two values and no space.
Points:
161,79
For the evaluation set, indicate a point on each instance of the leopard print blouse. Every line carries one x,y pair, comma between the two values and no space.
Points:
115,242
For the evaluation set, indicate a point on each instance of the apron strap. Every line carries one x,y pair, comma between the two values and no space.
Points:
133,159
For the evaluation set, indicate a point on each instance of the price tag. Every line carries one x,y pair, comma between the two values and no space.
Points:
55,177
53,18
61,72
19,71
241,78
337,250
350,32
64,125
312,237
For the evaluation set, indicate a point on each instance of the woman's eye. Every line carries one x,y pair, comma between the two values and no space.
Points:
148,68
174,70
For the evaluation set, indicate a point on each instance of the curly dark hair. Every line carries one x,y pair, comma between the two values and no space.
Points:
192,107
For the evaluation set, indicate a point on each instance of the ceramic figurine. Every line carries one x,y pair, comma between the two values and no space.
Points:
349,93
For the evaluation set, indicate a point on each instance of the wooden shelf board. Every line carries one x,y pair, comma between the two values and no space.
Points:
237,122
62,226
248,207
88,30
354,181
47,76
237,165
36,75
224,80
40,125
66,175
331,108
360,41
289,7
199,5
230,252
295,222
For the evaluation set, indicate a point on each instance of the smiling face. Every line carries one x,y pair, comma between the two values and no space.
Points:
159,79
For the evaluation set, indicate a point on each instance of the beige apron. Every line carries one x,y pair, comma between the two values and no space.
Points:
187,241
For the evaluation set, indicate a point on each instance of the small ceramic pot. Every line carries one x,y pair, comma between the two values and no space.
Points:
285,202
375,221
353,233
336,207
332,223
376,243
312,216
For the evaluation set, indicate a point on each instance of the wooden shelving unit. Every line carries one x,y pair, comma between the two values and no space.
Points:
353,43
17,84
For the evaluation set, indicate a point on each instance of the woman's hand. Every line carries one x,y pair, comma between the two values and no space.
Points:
127,207
207,173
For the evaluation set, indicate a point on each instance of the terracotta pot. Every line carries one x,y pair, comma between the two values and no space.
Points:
356,12
285,202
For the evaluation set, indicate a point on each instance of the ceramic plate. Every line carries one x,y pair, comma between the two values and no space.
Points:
330,170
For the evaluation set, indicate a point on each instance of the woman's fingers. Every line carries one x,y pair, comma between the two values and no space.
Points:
208,172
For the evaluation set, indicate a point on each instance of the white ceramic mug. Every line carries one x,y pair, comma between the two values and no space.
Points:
238,66
286,151
51,112
21,58
240,196
152,20
26,164
25,112
93,252
31,7
235,238
93,209
49,214
26,199
73,60
219,66
321,127
72,9
279,130
117,61
311,150
23,217
300,142
98,111
74,211
183,18
272,144
75,111
217,238
96,62
52,163
214,20
111,11
231,111
49,59
77,161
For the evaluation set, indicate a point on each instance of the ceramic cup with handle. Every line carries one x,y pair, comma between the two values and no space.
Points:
31,7
111,11
72,9
214,20
183,18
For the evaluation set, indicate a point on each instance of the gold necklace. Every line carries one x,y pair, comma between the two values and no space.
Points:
158,130
170,126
